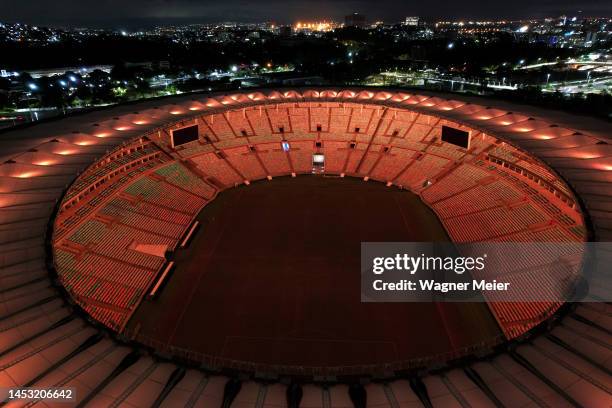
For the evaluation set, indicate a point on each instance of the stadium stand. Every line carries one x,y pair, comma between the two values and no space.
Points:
500,194
109,249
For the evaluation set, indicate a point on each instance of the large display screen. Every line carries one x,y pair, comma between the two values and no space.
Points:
457,137
184,135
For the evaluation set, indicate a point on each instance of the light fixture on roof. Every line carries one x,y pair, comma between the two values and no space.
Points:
543,137
523,129
82,143
604,167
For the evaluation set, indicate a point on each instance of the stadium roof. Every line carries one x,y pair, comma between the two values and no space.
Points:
39,162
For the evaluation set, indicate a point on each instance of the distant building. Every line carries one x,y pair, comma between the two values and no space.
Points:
150,65
590,38
315,26
61,71
412,21
562,21
355,20
285,31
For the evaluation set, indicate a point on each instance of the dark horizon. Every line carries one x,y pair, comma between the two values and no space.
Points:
145,13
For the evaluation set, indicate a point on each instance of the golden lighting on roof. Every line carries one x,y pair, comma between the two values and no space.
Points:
523,129
543,137
44,163
603,166
27,174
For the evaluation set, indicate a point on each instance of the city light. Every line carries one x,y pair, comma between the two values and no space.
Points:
580,39
318,26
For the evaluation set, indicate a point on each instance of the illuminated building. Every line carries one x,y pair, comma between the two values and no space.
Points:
316,26
412,21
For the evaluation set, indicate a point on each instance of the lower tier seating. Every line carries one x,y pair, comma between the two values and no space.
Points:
109,257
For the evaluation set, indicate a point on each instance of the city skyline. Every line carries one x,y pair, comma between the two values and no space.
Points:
141,13
55,69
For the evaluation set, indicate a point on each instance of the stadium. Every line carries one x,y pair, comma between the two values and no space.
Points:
201,250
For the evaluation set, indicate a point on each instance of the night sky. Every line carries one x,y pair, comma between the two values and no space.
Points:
131,13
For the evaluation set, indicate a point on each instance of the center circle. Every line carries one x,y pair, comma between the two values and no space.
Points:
272,278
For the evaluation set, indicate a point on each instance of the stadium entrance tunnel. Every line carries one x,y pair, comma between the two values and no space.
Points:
152,236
